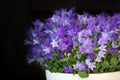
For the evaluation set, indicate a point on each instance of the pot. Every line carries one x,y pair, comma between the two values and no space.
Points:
68,76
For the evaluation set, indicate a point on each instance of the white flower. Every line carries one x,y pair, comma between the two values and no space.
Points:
98,59
35,41
54,43
91,65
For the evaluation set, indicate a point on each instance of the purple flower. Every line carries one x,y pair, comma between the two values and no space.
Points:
61,18
55,18
101,52
62,46
102,41
61,55
112,50
82,18
71,32
95,41
60,31
69,49
76,28
83,34
80,66
113,36
45,49
38,24
48,56
37,31
91,56
105,35
104,38
68,40
68,69
71,13
35,51
87,46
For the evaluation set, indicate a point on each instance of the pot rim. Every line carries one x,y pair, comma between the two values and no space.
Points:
89,73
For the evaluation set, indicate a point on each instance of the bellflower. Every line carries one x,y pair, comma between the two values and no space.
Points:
35,41
91,65
113,36
62,46
98,59
82,34
54,43
102,47
48,56
112,50
87,46
91,56
75,43
80,66
101,53
68,69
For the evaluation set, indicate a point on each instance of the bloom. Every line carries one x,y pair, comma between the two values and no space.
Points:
48,56
102,50
74,42
54,43
91,56
80,66
91,65
98,59
87,46
68,69
113,36
112,50
101,54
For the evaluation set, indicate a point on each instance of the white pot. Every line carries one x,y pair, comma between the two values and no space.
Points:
66,76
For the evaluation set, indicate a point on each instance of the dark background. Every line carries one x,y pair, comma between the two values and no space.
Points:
16,17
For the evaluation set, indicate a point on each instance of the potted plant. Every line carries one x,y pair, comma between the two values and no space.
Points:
70,46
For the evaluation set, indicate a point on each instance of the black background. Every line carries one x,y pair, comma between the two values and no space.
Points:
16,17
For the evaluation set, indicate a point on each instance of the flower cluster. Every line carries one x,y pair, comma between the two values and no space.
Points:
73,43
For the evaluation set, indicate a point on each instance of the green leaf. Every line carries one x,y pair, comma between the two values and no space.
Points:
53,69
95,70
83,74
105,64
55,64
72,60
101,71
60,70
69,54
64,60
114,61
